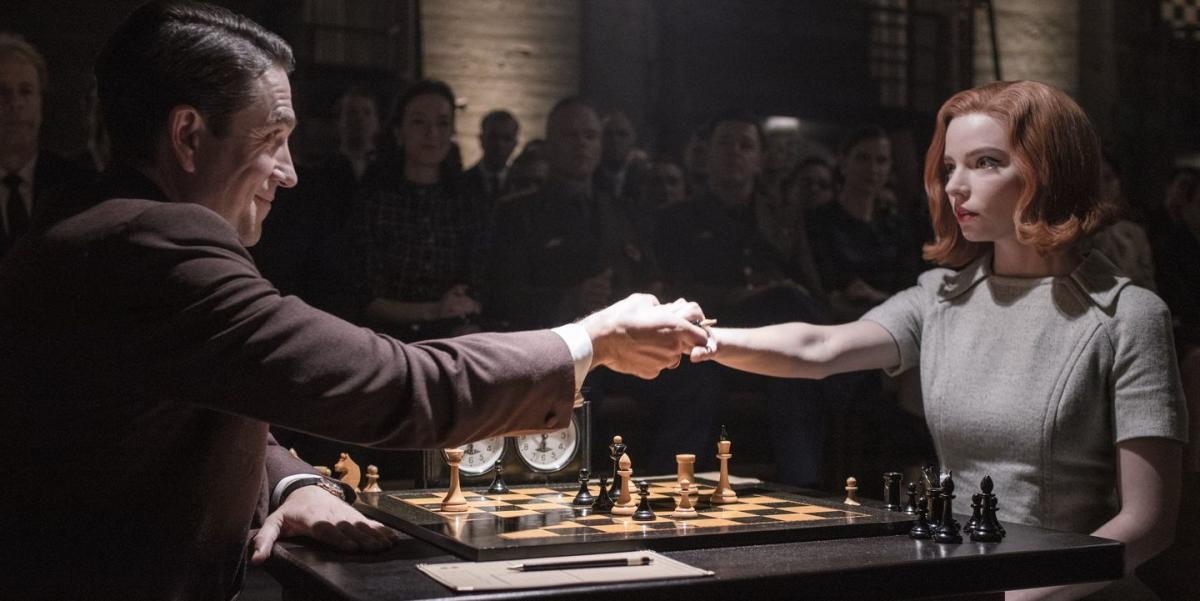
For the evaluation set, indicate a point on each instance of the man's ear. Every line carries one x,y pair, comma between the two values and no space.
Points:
185,126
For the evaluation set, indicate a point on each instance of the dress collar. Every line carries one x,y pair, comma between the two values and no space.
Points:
1095,278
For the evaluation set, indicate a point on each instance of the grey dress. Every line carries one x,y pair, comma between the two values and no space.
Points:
1034,381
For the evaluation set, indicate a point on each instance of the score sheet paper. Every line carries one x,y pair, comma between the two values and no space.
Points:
496,575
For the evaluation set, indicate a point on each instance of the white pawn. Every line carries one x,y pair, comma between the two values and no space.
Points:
625,504
372,480
851,491
684,510
454,501
687,471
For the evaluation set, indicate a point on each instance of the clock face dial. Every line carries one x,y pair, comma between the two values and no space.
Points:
550,451
480,456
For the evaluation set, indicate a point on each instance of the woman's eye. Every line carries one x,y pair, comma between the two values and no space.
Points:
947,171
988,162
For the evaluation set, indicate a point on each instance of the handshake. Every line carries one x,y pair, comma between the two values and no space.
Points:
641,336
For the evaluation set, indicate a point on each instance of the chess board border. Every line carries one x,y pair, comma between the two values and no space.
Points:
425,525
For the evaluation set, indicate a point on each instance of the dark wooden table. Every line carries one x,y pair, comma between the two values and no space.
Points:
887,567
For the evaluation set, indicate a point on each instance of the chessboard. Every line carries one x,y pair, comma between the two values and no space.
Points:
540,521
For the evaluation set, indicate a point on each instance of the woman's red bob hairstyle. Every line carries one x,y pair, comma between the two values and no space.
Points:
1056,152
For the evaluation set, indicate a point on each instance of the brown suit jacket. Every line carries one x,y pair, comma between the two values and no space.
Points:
142,357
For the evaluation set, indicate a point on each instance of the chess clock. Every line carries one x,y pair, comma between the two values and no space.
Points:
550,452
481,456
542,457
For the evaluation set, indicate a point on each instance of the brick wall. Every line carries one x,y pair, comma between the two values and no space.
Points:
1038,40
522,56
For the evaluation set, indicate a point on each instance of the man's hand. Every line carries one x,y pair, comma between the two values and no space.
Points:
312,512
639,336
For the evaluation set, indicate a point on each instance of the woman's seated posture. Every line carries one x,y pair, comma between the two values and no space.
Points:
1040,366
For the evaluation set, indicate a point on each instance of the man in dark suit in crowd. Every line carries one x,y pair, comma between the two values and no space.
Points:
623,166
142,356
27,174
305,246
498,138
568,248
712,248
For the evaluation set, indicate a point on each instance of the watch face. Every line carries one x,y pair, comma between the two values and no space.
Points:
480,456
550,451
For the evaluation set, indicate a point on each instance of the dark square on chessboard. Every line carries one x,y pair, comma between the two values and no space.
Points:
539,521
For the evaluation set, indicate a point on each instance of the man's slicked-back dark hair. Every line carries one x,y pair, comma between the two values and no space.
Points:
177,52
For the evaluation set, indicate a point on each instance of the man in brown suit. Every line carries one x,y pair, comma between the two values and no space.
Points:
142,356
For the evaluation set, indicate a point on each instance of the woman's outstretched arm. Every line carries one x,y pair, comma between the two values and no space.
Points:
801,350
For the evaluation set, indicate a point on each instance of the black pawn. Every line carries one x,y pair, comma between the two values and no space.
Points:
947,531
988,530
935,506
911,507
584,496
603,503
921,529
891,491
498,487
976,513
643,513
990,511
616,451
990,504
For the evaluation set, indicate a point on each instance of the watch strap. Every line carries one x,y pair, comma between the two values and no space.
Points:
289,485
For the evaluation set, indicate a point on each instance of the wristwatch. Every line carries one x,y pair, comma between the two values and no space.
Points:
291,483
331,488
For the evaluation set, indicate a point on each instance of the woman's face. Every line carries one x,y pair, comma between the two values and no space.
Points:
982,182
426,130
867,165
667,184
813,186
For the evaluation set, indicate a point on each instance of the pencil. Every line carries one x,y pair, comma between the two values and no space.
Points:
586,563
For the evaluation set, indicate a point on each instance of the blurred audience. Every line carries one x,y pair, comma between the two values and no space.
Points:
712,251
781,220
566,249
28,175
97,153
529,170
421,235
498,133
810,184
783,150
1178,271
1124,242
1177,266
665,185
388,230
306,243
864,249
695,159
623,166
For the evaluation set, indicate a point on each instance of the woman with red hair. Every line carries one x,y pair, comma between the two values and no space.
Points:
1041,365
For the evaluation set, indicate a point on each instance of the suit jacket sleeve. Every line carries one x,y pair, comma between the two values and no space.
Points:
202,326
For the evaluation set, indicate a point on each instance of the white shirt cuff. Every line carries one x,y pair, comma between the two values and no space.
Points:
580,343
277,495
